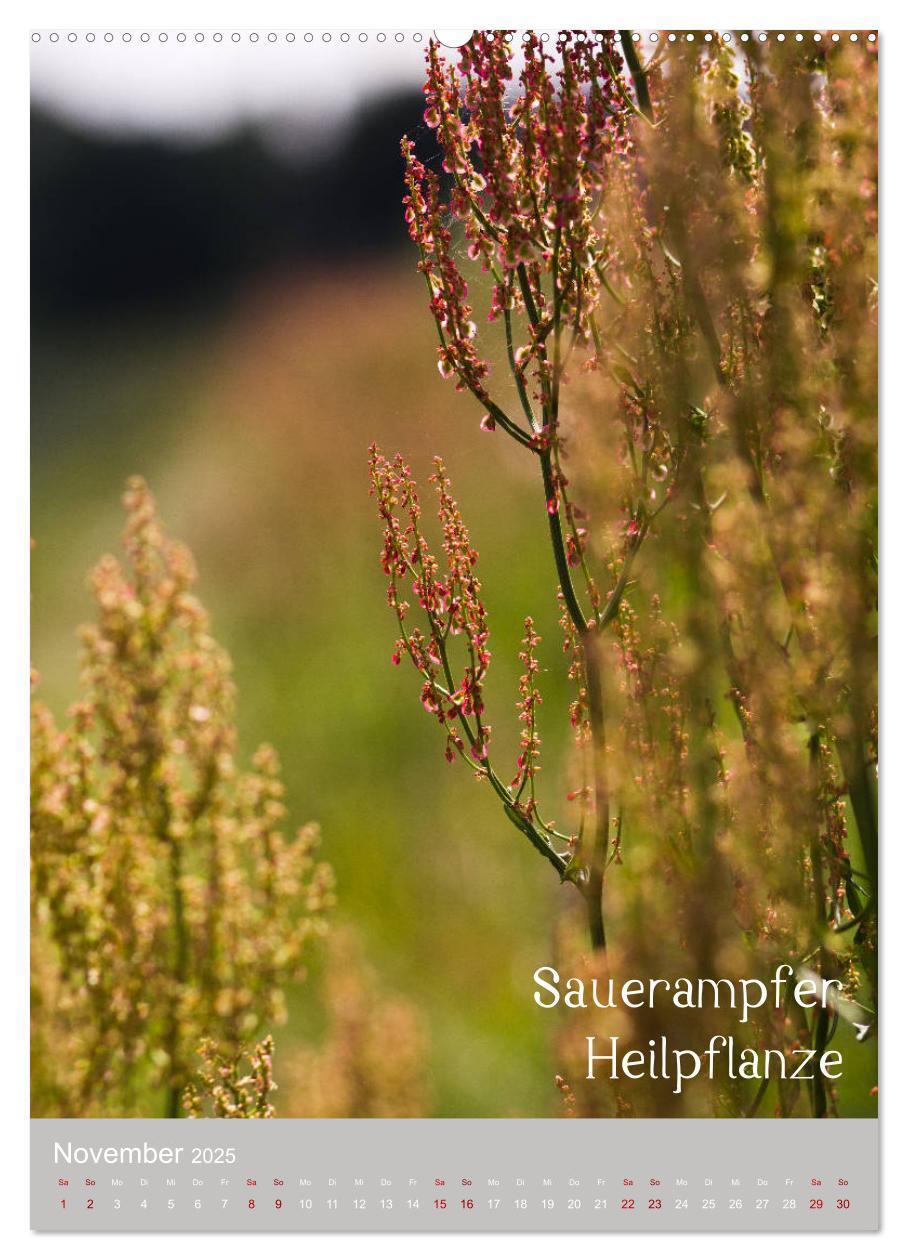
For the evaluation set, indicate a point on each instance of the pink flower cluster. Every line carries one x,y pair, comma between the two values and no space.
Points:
526,161
527,705
449,597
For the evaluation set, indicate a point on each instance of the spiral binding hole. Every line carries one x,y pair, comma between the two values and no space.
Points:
399,37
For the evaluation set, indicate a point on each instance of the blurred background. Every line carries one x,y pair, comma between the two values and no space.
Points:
225,300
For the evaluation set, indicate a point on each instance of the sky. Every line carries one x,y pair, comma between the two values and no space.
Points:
197,88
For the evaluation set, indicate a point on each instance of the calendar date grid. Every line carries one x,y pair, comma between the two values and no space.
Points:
446,1175
412,1194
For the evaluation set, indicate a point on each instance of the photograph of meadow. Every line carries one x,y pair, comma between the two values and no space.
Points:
454,517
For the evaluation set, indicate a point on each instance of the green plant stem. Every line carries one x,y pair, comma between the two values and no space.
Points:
181,961
863,802
819,1101
592,889
557,538
599,854
638,74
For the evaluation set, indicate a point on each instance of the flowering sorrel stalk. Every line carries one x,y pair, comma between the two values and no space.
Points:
682,264
526,176
223,1089
168,905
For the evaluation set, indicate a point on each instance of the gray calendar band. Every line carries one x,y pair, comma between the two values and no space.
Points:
337,1175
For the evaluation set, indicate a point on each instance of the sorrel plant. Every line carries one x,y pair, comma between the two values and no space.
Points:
169,908
680,247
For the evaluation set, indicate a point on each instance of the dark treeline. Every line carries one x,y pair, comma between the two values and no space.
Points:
120,223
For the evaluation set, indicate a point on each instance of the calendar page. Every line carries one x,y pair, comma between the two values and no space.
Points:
454,707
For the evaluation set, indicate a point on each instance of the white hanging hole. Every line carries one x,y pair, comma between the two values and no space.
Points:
454,38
